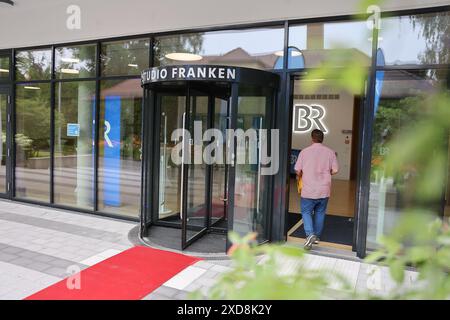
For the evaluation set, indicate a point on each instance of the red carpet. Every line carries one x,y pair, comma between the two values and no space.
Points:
129,275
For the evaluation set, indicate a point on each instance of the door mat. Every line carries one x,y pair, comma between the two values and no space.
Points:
129,275
292,219
337,229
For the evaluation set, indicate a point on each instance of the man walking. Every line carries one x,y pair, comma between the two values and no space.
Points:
315,166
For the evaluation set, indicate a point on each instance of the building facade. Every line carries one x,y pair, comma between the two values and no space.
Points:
75,125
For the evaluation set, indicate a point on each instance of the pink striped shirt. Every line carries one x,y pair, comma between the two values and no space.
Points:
316,163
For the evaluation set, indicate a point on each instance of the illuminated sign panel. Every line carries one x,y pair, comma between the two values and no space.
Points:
308,117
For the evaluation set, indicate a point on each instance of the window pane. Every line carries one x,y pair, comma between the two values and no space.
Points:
75,62
125,57
251,191
34,65
3,151
252,48
120,147
403,103
416,39
313,44
4,67
33,141
74,136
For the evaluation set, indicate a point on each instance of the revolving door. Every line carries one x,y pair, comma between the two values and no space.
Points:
202,147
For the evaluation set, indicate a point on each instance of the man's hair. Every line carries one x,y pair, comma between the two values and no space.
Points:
317,135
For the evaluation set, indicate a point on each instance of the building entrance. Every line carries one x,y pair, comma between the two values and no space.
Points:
194,176
338,114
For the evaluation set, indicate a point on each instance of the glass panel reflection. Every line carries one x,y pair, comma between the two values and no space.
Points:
4,67
251,212
400,106
128,57
416,39
3,151
32,141
34,65
119,169
313,44
74,136
197,208
252,48
171,118
75,62
219,179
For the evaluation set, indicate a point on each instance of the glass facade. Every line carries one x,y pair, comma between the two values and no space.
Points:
416,39
64,173
3,151
128,57
253,48
119,157
34,65
32,141
74,137
75,62
97,166
401,108
313,44
4,67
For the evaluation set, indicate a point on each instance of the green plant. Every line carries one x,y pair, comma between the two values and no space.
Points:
258,274
422,241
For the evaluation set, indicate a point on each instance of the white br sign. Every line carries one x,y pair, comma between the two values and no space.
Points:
308,117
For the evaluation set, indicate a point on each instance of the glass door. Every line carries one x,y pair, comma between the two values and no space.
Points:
170,114
250,178
219,169
5,99
195,175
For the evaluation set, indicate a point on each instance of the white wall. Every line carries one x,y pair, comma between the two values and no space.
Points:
40,22
339,116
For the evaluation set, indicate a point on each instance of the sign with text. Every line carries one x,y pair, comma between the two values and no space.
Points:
179,73
73,130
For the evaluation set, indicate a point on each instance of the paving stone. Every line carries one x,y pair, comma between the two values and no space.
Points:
156,296
57,272
7,256
11,250
40,266
220,268
182,295
211,274
43,258
204,264
28,254
167,291
23,262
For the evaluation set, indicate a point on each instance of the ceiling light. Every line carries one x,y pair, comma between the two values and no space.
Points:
70,71
70,60
180,56
294,53
132,65
4,70
32,88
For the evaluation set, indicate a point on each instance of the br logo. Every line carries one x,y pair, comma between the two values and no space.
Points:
308,117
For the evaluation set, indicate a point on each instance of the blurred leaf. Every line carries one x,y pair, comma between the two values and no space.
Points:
396,270
234,237
375,256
